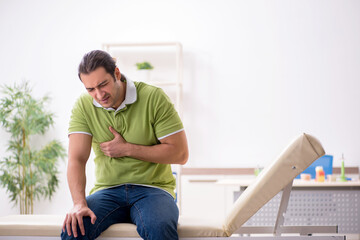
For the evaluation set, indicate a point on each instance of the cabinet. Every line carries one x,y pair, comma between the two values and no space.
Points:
202,196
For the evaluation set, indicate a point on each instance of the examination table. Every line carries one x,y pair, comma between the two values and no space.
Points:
278,176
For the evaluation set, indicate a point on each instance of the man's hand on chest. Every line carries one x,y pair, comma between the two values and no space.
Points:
116,147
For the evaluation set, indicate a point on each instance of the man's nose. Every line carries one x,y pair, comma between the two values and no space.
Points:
100,94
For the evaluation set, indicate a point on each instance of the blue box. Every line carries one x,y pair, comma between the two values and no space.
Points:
325,161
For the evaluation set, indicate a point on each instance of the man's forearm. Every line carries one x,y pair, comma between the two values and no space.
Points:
160,153
77,181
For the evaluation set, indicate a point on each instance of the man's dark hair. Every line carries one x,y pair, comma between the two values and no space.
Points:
97,58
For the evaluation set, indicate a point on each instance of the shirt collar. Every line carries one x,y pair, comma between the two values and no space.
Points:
130,96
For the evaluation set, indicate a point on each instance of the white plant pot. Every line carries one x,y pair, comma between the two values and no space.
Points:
144,75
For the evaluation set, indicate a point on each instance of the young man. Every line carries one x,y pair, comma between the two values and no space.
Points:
135,134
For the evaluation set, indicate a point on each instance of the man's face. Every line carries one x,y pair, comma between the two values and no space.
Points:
102,87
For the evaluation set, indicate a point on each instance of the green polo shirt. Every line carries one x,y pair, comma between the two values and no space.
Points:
145,117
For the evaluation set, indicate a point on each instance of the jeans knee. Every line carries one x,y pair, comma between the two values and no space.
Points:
159,230
65,236
88,233
165,225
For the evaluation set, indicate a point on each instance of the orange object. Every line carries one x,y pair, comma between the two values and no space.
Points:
305,177
320,174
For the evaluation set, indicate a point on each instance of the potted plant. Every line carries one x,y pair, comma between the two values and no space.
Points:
144,73
144,65
27,173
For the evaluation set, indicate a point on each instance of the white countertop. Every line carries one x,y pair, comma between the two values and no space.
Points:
296,183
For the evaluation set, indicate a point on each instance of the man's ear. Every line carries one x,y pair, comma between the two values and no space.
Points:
117,74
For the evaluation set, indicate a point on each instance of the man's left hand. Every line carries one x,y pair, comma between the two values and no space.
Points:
115,147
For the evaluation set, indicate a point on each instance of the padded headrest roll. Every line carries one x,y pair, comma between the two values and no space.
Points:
303,151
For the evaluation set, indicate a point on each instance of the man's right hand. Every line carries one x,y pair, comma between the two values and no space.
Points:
75,216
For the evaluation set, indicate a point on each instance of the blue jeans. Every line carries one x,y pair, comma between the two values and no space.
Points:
152,210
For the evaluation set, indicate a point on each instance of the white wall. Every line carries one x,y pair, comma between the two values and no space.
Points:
257,73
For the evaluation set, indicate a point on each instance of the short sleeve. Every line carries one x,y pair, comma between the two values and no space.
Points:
78,123
167,120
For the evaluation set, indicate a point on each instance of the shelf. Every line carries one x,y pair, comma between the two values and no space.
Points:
166,57
164,83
